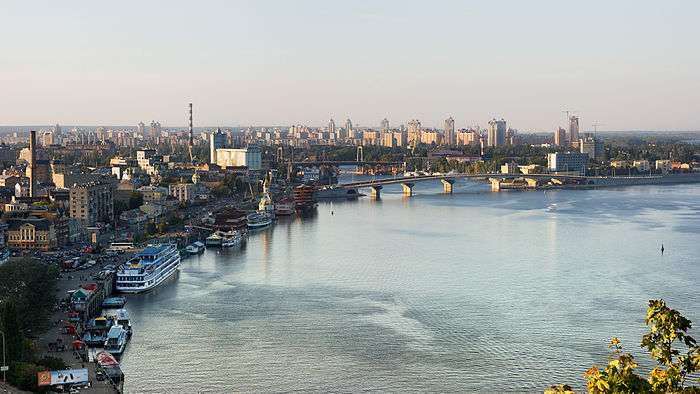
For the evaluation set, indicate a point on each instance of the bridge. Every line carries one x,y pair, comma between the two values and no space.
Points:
316,163
448,180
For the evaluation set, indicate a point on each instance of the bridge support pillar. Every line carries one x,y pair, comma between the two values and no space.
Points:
408,189
447,184
376,191
495,184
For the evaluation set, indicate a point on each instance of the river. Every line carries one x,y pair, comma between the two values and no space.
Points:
470,291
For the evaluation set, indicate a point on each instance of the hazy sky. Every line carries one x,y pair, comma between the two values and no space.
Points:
627,64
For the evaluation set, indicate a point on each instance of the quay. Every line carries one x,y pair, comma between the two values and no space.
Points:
88,290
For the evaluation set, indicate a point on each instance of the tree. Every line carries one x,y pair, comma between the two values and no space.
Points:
17,347
135,200
30,286
119,207
668,332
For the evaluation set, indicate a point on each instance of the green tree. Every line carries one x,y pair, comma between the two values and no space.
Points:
135,200
668,332
30,286
17,348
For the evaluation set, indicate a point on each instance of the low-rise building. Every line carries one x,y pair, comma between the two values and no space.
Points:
510,168
663,166
641,165
567,162
187,192
31,233
153,193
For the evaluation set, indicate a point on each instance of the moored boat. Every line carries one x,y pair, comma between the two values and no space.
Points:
259,220
122,318
96,330
116,340
232,239
284,207
114,302
330,192
214,239
196,247
110,366
148,269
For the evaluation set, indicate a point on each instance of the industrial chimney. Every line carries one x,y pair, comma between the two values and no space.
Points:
32,158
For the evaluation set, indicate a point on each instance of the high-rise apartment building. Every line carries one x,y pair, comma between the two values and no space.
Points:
450,131
429,137
349,130
384,126
155,129
217,140
497,133
560,137
467,137
414,132
388,139
573,130
400,137
331,129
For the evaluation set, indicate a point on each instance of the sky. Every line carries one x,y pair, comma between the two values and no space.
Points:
628,65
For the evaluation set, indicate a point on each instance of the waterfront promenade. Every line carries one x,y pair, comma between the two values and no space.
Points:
71,281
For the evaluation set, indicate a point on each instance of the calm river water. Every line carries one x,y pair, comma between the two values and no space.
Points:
473,291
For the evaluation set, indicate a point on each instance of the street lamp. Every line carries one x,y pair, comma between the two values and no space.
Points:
3,367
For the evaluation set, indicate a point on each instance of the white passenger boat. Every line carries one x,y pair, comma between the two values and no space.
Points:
122,318
259,220
148,269
196,247
116,340
233,239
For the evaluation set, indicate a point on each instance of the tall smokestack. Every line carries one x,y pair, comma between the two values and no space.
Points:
191,131
32,158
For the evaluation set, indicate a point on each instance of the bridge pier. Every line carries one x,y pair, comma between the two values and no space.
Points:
447,184
407,188
376,191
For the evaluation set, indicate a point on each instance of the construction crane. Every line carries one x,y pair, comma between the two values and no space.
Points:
568,113
595,126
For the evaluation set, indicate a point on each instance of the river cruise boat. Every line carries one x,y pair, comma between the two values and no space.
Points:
116,340
259,220
233,239
284,207
331,192
196,247
148,269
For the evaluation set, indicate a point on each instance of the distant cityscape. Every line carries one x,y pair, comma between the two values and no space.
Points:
75,196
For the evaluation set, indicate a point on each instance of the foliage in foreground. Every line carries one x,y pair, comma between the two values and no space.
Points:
668,335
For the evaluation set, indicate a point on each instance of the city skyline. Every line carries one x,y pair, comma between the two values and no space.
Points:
276,63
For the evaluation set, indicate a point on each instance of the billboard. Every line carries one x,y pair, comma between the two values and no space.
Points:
68,376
